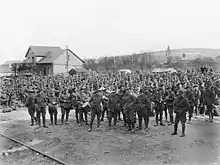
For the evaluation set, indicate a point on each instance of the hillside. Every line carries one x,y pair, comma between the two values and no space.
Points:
148,60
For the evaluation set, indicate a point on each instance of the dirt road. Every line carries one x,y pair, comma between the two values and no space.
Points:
74,145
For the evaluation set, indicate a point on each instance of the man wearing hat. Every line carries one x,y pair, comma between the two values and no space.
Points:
52,104
191,99
181,106
158,100
114,107
197,95
30,104
41,107
95,103
210,100
169,102
105,103
144,107
129,110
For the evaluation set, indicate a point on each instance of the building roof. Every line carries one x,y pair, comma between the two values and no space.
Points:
42,51
12,62
49,53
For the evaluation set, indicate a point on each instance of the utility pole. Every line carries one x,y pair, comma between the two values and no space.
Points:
67,60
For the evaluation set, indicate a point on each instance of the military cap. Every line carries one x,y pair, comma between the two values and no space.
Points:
159,89
141,91
180,91
187,87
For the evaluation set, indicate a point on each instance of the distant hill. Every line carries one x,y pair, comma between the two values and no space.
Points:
190,53
182,58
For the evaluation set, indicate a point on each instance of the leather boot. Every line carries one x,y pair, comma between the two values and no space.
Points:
132,128
98,123
44,122
90,127
51,119
32,122
183,131
55,118
62,119
77,118
175,130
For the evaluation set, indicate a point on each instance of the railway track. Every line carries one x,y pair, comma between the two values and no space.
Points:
34,149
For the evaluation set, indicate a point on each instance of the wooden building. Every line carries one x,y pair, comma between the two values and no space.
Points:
52,60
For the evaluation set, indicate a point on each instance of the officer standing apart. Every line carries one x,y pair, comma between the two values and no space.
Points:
41,107
181,106
95,103
144,107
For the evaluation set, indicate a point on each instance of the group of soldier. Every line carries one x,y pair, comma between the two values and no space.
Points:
121,102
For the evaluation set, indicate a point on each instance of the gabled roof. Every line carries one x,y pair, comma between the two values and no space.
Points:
51,57
43,50
49,53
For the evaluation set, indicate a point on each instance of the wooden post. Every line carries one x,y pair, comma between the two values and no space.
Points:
67,60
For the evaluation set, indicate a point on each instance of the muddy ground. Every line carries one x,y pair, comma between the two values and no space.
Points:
74,145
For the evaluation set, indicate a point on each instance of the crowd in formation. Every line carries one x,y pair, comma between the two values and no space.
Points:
129,98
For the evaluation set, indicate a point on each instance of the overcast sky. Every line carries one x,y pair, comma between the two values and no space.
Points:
94,28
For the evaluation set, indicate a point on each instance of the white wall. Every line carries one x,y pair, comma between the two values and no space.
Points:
60,63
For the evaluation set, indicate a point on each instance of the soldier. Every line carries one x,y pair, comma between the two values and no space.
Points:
52,105
144,107
197,95
169,102
180,108
114,107
74,103
30,103
210,100
121,95
105,104
95,103
159,106
83,106
191,99
41,107
66,101
129,110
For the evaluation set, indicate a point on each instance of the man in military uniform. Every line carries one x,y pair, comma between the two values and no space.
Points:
169,102
121,95
181,106
144,107
114,107
66,102
129,110
95,103
30,103
83,109
41,107
191,99
52,105
210,100
105,103
197,95
159,106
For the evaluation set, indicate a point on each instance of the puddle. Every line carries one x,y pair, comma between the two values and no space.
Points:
22,148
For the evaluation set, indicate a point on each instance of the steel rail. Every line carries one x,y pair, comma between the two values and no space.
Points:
33,149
